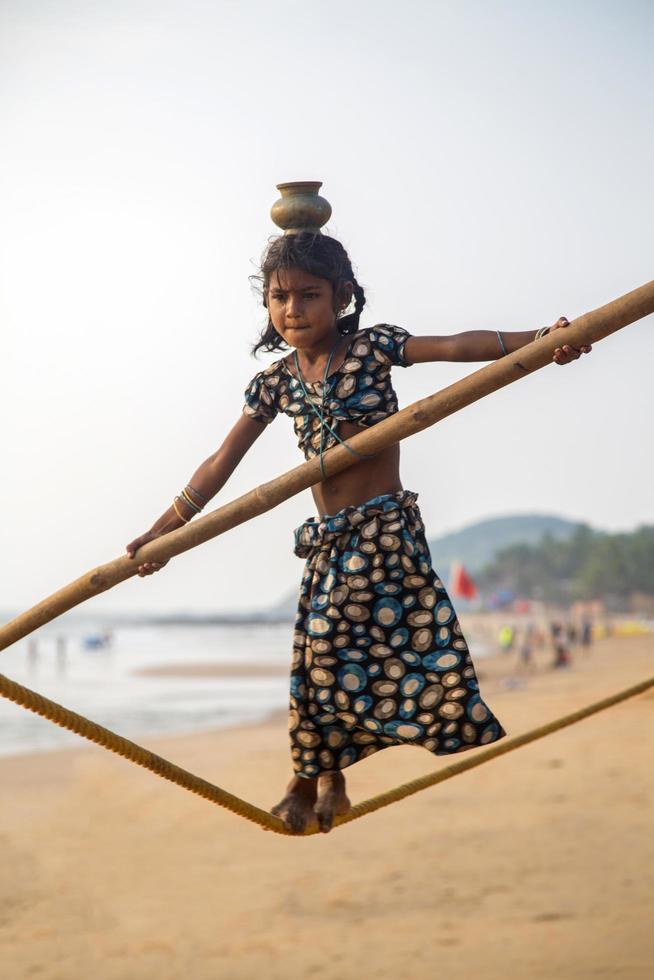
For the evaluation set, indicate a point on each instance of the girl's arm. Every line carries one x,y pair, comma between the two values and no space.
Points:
207,480
483,345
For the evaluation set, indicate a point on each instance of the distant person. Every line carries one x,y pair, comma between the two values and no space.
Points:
561,651
586,634
375,627
506,637
32,653
61,654
572,634
527,647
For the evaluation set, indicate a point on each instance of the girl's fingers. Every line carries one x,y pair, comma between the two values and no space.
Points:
133,547
568,353
147,568
137,543
567,349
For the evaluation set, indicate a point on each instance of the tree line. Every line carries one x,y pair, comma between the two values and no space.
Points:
587,565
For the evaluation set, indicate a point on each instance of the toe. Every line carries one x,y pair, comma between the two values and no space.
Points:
325,810
292,816
325,822
295,822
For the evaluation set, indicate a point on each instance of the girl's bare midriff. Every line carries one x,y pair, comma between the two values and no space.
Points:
360,482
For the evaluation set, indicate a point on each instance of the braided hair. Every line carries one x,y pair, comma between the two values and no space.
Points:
320,256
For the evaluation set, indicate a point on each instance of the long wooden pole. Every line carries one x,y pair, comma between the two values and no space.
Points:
586,329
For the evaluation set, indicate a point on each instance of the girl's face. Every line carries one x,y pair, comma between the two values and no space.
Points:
302,307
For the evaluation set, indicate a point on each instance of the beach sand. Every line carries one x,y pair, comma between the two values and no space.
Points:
535,866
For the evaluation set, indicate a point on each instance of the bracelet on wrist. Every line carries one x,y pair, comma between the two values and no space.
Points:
196,493
186,497
177,511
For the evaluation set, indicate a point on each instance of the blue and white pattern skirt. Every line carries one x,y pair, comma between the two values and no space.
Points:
378,654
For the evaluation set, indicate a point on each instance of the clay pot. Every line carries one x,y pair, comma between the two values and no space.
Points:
300,208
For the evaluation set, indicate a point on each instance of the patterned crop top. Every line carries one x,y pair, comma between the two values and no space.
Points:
359,391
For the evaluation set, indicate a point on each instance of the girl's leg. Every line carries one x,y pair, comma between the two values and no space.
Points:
305,800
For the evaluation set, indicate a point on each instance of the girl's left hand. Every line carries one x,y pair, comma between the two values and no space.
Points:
566,353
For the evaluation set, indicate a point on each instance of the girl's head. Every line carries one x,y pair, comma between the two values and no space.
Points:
307,284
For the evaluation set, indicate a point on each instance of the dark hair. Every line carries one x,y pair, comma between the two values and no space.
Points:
320,256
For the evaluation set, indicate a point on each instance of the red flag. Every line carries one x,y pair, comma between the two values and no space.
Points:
461,584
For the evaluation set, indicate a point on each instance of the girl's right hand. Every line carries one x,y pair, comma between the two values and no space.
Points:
147,568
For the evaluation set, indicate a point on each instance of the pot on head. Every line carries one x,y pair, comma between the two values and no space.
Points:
300,208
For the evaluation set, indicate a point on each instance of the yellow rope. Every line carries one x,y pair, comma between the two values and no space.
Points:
168,770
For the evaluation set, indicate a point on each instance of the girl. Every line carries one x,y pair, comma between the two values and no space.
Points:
378,655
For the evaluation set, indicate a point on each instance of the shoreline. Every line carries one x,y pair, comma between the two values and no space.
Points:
500,674
497,672
200,669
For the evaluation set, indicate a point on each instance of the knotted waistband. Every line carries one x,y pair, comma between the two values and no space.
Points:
314,533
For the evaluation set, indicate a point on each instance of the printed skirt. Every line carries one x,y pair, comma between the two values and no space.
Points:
378,654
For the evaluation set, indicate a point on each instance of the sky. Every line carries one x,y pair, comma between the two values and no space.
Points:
489,167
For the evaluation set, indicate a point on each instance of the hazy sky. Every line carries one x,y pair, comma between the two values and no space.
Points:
489,165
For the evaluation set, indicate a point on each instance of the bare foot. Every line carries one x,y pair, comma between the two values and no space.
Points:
296,808
331,799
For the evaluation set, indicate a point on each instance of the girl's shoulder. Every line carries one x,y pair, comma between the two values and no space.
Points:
270,375
261,392
387,342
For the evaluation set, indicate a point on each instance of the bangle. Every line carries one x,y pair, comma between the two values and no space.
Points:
176,508
542,332
188,500
499,337
203,500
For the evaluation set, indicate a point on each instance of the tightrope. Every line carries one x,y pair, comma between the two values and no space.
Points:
195,784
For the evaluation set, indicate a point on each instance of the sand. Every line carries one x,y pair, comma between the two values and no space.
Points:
538,865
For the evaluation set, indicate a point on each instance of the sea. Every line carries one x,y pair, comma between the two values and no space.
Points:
93,668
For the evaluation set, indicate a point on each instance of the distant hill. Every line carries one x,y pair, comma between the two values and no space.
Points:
474,546
477,544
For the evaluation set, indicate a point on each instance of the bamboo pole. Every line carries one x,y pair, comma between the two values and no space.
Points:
586,329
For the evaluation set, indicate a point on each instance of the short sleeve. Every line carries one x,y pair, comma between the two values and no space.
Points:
391,341
260,397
